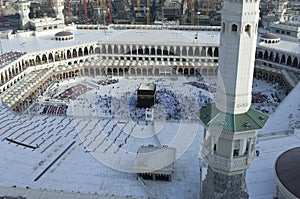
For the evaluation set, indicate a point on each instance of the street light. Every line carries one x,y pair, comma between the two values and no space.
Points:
198,17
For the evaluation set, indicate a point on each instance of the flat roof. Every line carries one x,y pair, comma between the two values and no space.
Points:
46,40
287,170
286,44
154,159
147,86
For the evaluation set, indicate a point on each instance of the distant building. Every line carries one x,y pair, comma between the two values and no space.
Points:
155,163
286,28
40,24
146,95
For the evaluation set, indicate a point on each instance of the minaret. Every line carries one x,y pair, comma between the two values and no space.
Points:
23,9
280,9
231,124
58,6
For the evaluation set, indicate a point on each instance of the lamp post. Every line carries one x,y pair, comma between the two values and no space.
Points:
198,18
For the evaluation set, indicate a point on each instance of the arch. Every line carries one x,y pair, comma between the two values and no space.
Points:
295,62
197,51
271,56
204,71
127,50
134,50
109,71
115,49
115,71
138,71
216,52
144,71
156,71
2,79
132,71
234,28
150,71
266,55
192,71
122,49
172,50
140,51
180,71
147,51
97,71
50,57
282,60
159,51
247,29
109,49
121,71
277,58
80,53
74,54
165,51
190,51
86,71
97,50
152,51
184,51
56,56
203,52
209,51
92,72
91,51
44,58
177,51
69,54
289,61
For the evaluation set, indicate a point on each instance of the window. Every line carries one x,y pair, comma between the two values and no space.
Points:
234,28
235,152
247,28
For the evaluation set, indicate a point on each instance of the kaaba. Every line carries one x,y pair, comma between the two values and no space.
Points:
146,95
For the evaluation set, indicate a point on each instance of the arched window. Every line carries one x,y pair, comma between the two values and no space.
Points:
234,28
248,29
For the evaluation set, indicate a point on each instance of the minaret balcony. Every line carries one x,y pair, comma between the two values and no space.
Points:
232,165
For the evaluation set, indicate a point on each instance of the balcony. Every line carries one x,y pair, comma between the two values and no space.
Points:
230,165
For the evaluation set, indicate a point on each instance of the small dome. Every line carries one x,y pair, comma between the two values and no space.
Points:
269,38
63,34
